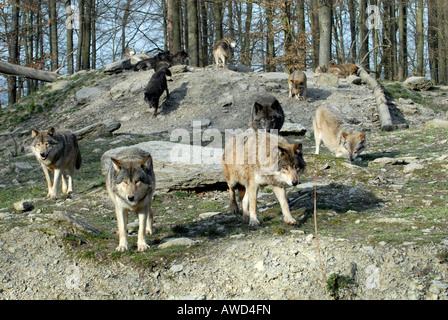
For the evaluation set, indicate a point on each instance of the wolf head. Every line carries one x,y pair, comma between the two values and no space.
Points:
44,143
291,163
133,178
267,113
353,144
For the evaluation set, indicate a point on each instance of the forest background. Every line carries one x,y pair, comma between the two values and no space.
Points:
392,39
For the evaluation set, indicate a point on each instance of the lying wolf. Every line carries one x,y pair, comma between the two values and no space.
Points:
56,152
130,182
248,164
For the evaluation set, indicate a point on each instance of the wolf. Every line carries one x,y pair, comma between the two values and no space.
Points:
130,183
267,113
248,164
297,81
340,138
128,52
148,64
181,57
58,152
350,68
221,52
156,85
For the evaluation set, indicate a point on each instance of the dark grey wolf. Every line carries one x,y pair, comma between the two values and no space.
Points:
221,52
130,182
248,164
267,113
163,60
56,152
156,85
339,137
297,83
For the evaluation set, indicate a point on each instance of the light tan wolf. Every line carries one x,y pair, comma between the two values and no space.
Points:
130,182
339,137
57,152
254,159
221,52
297,83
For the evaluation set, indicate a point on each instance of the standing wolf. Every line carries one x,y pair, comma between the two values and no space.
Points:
221,52
130,182
249,163
57,152
267,113
341,138
297,83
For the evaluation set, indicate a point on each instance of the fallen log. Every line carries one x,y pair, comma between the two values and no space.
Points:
31,73
380,100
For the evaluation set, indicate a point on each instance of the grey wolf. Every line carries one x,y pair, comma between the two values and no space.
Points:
128,52
221,52
248,164
339,137
58,152
156,85
163,60
341,71
267,113
297,81
148,64
130,182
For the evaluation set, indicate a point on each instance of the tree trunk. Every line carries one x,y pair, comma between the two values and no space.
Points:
53,35
363,34
16,70
193,40
402,49
315,32
420,39
432,41
70,26
218,20
245,48
13,52
352,14
93,34
301,34
325,31
204,33
270,48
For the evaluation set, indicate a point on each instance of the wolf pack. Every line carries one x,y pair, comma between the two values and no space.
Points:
258,157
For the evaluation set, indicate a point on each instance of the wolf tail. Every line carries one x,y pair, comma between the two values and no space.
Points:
78,156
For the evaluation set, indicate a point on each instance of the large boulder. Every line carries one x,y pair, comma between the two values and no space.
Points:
179,166
417,83
327,79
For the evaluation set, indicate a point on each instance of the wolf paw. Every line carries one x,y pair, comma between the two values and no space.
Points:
121,248
290,221
142,247
254,223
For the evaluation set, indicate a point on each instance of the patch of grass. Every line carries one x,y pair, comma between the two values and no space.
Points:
336,283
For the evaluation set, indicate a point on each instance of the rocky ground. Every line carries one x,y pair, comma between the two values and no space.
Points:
382,224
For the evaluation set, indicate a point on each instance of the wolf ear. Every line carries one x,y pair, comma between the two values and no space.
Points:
116,163
362,136
34,133
146,163
51,131
276,106
345,135
297,148
257,107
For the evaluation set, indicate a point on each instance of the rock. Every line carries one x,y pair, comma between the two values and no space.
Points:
23,205
292,129
226,101
352,79
388,161
327,79
179,166
436,123
412,167
417,83
177,242
23,166
201,123
275,76
177,268
207,215
118,66
101,129
87,94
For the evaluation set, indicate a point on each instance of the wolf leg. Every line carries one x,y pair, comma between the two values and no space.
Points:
122,220
54,190
48,178
149,221
252,193
142,219
280,193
